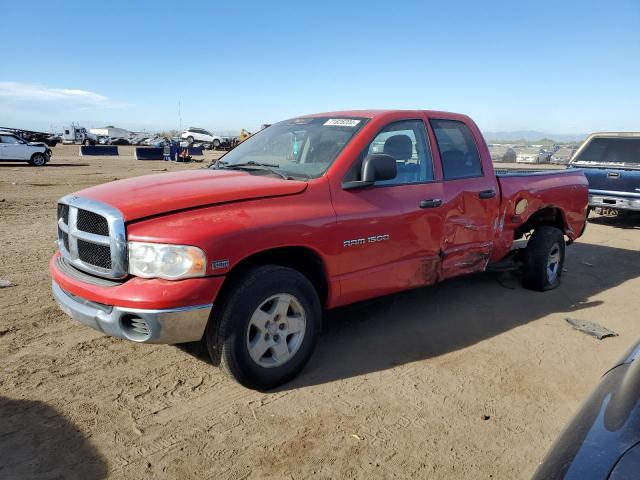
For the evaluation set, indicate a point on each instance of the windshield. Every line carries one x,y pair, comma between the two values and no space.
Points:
300,147
611,150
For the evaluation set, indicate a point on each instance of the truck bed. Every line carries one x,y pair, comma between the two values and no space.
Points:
558,192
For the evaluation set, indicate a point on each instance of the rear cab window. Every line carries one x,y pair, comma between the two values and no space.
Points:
458,150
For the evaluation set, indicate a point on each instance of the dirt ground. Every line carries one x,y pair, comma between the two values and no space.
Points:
473,378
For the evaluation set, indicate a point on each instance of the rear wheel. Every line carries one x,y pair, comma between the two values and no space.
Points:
87,142
38,159
266,328
215,143
544,259
190,140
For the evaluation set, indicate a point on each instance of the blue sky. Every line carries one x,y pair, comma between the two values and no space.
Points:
560,67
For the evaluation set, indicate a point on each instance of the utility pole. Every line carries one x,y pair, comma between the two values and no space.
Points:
179,115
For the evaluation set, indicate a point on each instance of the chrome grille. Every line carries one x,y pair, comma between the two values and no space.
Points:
94,254
92,223
63,212
91,236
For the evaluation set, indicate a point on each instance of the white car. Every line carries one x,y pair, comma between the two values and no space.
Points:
14,149
193,134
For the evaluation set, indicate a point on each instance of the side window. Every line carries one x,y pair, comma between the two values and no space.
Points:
406,142
8,139
458,151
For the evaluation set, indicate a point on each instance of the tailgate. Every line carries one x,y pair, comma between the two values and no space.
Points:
618,180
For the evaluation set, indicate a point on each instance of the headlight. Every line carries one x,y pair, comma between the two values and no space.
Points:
171,262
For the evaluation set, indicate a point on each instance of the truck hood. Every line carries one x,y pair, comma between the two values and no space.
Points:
149,195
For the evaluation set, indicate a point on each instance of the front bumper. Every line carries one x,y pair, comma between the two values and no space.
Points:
607,200
174,325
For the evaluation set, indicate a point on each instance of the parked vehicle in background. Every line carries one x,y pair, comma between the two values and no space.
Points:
33,137
563,154
300,217
155,141
194,134
15,149
103,140
139,141
533,155
119,141
79,135
611,163
602,441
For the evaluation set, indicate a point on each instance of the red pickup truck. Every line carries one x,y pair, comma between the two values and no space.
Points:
309,214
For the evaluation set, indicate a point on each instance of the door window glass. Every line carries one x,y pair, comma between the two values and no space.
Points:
8,139
458,151
406,142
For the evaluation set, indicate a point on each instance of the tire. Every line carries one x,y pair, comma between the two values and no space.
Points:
251,321
190,140
87,142
215,143
38,159
544,259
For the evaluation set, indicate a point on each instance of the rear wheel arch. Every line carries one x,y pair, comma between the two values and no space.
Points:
549,216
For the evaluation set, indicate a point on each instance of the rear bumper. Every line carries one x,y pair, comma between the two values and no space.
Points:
605,199
174,325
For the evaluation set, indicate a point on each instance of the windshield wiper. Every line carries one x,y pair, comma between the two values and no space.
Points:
252,164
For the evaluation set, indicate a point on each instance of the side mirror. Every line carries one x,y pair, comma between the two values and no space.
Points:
378,166
375,167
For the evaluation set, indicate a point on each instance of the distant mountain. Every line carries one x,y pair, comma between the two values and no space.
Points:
531,136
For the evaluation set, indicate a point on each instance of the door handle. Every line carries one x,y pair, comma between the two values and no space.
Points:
430,203
487,194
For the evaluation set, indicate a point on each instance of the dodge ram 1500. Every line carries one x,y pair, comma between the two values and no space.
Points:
309,214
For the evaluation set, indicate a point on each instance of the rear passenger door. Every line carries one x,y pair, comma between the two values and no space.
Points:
470,199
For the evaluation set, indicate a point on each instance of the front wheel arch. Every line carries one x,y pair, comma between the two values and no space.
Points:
302,259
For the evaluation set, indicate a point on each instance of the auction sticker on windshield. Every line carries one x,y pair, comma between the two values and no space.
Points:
342,122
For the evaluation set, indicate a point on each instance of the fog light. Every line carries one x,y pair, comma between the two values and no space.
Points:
135,328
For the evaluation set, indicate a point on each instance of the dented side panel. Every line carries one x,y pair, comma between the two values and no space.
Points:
524,195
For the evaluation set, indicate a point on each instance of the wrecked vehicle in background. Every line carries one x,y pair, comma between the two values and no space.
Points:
309,214
611,163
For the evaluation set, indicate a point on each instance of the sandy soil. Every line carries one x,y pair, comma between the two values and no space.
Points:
473,378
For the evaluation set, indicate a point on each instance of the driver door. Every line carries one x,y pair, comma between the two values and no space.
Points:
390,233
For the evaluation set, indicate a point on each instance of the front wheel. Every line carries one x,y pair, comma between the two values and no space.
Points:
190,140
87,142
267,328
544,259
38,159
215,143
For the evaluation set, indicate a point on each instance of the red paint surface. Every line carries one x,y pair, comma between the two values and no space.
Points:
143,293
240,214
